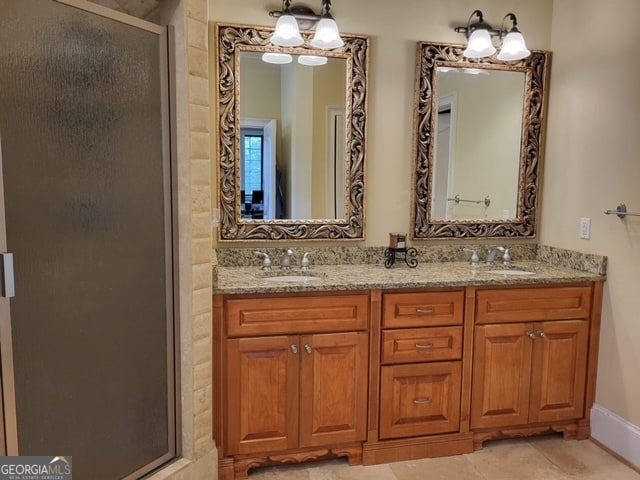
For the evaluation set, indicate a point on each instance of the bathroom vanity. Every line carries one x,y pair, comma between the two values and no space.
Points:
382,365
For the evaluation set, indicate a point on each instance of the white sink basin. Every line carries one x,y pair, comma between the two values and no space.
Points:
292,279
510,272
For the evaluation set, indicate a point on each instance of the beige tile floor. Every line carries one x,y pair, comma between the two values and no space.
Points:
545,458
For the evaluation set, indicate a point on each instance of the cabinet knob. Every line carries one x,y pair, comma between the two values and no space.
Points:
422,401
531,335
424,346
541,334
294,349
308,348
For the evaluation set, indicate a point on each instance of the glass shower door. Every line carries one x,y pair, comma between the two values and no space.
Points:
87,216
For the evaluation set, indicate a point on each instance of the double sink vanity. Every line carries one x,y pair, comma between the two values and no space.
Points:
382,365
348,358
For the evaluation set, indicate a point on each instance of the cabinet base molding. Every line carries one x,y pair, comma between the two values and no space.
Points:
570,431
415,448
237,468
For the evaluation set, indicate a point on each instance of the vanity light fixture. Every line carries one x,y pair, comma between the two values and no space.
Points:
479,35
292,18
475,71
277,58
287,33
312,60
513,44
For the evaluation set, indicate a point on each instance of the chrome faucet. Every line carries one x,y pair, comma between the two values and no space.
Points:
493,253
266,261
305,263
285,264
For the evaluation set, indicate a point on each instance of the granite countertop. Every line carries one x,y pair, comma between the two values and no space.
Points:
235,280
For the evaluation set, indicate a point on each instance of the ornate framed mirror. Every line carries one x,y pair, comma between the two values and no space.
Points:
478,131
291,137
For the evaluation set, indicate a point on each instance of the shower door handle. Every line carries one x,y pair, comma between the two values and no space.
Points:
7,286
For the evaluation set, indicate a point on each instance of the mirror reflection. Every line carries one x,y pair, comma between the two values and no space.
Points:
477,146
292,137
291,147
478,130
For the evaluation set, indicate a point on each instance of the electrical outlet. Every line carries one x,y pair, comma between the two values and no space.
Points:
585,228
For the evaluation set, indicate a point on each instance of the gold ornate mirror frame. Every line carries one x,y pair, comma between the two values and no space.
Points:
535,67
233,39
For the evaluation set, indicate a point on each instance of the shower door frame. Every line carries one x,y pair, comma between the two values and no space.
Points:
8,414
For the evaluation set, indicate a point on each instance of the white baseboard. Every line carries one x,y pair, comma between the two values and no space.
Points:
616,433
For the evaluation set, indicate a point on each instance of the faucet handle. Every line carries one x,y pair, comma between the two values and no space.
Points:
266,261
506,257
305,263
475,260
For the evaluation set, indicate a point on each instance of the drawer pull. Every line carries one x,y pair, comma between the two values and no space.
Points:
422,401
425,311
424,346
294,349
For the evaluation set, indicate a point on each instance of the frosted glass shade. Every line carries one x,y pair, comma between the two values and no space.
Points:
312,60
479,45
287,33
277,58
513,47
327,36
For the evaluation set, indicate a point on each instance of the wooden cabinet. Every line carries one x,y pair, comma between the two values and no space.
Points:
421,371
333,388
384,376
295,372
530,367
262,394
287,392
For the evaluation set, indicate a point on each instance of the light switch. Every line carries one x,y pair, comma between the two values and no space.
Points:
585,228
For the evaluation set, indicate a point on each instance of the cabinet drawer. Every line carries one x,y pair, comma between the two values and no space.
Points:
423,309
420,399
421,344
275,315
532,304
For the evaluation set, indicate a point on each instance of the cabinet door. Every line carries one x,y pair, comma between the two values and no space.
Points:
559,371
262,394
420,399
502,374
333,404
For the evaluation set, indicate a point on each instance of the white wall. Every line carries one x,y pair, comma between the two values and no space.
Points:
488,134
394,28
592,164
260,78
